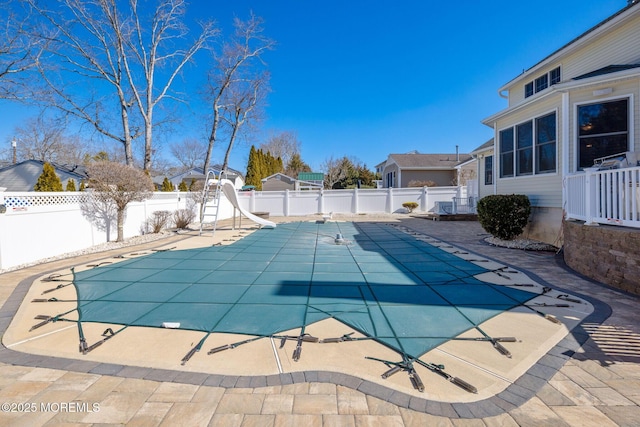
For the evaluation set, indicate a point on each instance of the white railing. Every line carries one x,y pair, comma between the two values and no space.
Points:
604,197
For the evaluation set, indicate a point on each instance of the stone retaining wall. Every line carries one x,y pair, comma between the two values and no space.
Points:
608,254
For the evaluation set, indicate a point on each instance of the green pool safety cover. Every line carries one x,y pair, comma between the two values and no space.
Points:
393,287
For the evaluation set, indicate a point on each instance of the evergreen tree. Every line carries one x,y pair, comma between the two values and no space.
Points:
71,185
252,168
82,185
296,165
166,185
183,186
48,180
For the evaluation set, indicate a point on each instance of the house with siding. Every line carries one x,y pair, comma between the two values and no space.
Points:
406,170
579,104
23,176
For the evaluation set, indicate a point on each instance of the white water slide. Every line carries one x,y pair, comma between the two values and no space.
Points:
230,193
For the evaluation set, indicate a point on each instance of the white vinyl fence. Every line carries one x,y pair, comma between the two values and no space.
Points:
35,226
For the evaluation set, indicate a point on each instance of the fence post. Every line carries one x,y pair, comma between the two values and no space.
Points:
252,201
425,196
286,202
354,202
589,196
321,201
390,200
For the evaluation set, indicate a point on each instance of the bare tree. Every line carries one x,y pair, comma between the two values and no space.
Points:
154,50
244,100
105,59
19,51
44,138
238,63
120,184
284,145
188,152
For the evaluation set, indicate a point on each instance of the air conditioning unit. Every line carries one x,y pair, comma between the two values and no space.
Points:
444,208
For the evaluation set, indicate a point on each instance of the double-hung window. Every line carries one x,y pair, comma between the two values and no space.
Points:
524,144
488,170
603,130
546,143
506,153
529,148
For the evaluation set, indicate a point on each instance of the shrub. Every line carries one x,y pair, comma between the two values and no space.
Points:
48,180
183,187
183,217
159,221
418,183
166,185
504,216
410,206
71,185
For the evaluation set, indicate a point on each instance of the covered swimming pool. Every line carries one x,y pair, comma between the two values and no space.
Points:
404,291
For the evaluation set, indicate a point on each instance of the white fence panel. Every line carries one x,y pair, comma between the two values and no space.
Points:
42,225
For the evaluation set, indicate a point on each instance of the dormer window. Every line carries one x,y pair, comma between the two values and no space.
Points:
542,82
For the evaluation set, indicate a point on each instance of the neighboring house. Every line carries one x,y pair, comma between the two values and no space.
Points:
310,180
580,103
278,182
404,170
23,176
197,174
305,181
485,161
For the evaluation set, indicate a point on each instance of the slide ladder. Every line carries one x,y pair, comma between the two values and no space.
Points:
210,201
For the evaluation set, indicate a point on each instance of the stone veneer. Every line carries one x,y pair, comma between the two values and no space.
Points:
608,254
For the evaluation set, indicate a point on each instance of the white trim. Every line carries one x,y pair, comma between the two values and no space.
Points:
563,87
578,43
630,118
533,147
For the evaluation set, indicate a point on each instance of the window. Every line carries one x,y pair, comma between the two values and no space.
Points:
524,152
603,130
488,170
542,82
546,143
554,76
534,147
506,153
528,89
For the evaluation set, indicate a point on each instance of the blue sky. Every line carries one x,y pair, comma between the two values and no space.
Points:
370,78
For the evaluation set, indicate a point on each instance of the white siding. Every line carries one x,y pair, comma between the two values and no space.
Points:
543,189
617,46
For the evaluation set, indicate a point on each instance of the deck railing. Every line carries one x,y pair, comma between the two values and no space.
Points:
604,197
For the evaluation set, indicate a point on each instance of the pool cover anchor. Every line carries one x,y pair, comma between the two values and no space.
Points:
406,366
304,337
345,337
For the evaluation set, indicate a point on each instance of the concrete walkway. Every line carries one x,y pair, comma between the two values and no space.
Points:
591,378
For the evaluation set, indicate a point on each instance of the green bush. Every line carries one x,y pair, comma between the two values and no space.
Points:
48,180
504,215
410,206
